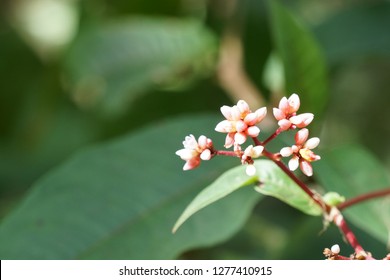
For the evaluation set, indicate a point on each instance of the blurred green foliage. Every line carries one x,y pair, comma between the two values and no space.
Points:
96,96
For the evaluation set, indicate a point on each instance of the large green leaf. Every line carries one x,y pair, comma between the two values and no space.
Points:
119,200
273,181
359,30
304,63
352,171
110,65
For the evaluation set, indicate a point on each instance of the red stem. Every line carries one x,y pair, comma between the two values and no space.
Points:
363,197
272,136
339,221
225,153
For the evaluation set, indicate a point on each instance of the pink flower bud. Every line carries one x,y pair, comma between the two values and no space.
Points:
284,106
294,103
243,107
253,131
226,112
286,151
293,163
302,120
224,126
278,114
251,119
335,249
312,143
284,124
301,136
250,170
202,142
306,168
205,155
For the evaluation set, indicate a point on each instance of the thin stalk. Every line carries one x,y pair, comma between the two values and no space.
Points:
271,137
339,221
363,197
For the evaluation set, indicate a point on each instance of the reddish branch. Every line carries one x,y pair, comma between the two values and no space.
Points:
363,197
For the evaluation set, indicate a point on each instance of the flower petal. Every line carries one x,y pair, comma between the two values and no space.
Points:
226,112
294,103
190,142
286,151
306,168
236,114
278,114
261,113
253,131
312,143
284,124
186,154
301,136
243,107
224,126
257,150
284,106
202,142
293,163
191,164
240,138
229,141
302,120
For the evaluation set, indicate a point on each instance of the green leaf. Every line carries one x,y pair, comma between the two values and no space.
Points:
119,200
351,171
110,65
274,182
356,31
304,63
227,183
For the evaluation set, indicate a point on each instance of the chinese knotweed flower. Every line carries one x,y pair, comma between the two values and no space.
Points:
286,114
249,154
194,151
302,155
240,123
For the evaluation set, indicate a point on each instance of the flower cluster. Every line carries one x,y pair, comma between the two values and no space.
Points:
301,152
240,123
194,151
286,114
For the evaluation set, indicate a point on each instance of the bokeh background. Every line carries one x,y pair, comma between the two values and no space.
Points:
96,96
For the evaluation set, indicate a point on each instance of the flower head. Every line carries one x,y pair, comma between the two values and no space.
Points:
286,114
240,122
194,151
302,154
247,157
